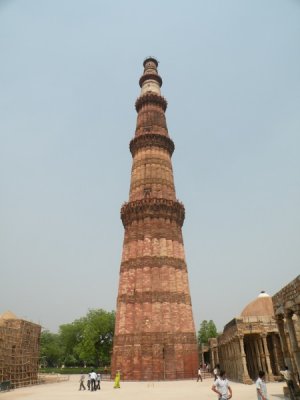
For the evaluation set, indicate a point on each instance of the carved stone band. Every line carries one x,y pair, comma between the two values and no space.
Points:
155,337
151,181
147,77
160,229
152,160
155,297
151,98
152,208
151,140
152,262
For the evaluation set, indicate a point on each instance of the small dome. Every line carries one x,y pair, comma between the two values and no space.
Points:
8,315
263,294
262,306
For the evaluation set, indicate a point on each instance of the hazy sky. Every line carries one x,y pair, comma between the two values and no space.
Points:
69,74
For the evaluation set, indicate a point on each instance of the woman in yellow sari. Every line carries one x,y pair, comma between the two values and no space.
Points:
117,380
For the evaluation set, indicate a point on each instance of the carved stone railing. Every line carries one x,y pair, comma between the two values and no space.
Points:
151,140
151,98
152,208
147,77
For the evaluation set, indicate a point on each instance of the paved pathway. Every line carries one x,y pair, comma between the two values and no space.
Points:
178,390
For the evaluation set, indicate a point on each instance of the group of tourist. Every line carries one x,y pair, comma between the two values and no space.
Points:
223,389
93,381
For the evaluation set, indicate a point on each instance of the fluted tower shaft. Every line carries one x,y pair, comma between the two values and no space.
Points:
155,333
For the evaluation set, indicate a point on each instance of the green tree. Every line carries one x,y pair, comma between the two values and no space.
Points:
50,349
71,336
97,336
87,340
207,330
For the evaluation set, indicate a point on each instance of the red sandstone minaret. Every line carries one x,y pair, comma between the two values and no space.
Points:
155,333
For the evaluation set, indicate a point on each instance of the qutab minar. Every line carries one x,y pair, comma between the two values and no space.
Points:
155,333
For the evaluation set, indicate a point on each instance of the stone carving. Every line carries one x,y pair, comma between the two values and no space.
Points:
142,262
151,181
155,297
158,230
151,140
155,337
152,208
152,160
153,77
153,117
151,98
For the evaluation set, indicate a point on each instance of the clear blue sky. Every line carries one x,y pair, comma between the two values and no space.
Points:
69,75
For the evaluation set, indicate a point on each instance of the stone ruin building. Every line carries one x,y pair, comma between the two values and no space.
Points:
266,336
249,343
19,350
286,304
155,335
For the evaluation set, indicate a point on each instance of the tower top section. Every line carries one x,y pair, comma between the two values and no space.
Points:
150,81
150,59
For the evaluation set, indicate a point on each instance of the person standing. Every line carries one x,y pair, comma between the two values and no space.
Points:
93,380
199,376
98,381
261,387
221,387
289,381
117,380
81,381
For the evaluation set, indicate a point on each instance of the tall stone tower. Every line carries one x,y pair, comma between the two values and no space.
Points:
155,333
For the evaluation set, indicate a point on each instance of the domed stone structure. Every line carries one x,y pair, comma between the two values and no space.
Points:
8,315
261,306
250,343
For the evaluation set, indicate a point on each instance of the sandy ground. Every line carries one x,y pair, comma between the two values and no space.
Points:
183,390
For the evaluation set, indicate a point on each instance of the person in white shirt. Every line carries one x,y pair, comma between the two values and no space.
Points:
93,380
199,375
261,387
221,387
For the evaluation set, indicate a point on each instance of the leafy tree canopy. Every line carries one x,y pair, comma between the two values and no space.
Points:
97,337
51,351
207,330
86,341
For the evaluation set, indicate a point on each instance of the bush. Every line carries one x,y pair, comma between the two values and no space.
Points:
73,370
